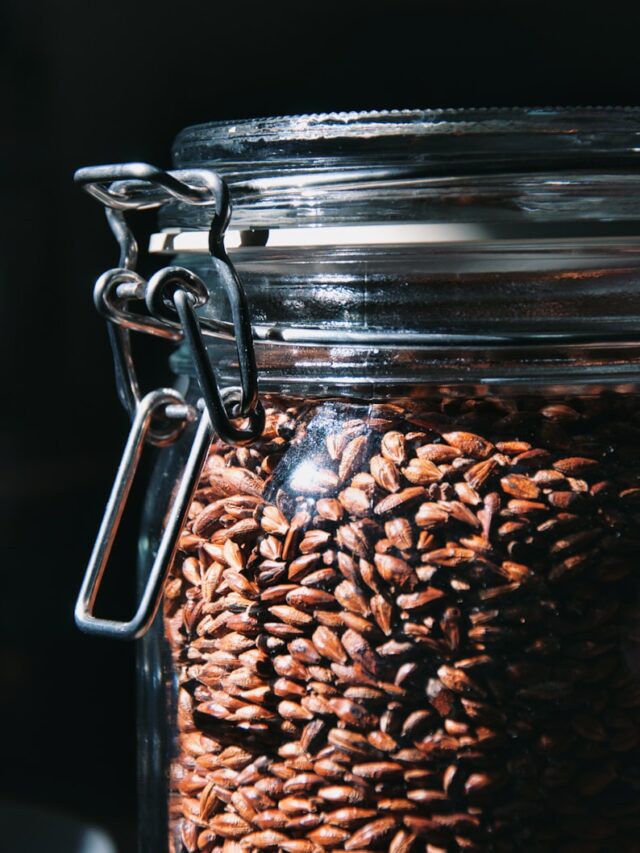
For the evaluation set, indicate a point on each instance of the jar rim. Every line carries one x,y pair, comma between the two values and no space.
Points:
354,123
527,164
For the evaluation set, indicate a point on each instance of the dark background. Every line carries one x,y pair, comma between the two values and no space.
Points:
85,83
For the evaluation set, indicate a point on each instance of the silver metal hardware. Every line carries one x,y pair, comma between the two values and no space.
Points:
139,186
112,293
161,400
172,295
301,336
178,289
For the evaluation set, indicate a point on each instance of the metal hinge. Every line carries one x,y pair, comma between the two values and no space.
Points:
171,297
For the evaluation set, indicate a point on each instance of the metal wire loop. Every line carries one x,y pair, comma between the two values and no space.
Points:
161,289
112,301
149,407
177,291
112,292
174,290
140,186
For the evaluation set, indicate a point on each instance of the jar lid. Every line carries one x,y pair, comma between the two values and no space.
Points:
461,236
494,168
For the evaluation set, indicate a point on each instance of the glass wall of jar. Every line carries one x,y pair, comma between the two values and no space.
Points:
405,618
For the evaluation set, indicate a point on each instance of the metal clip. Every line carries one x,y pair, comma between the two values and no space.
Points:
183,291
174,290
153,403
127,187
140,186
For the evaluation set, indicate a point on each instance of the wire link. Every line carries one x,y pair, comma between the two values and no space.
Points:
155,403
138,186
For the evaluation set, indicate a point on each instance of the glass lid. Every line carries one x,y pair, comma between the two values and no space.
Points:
494,168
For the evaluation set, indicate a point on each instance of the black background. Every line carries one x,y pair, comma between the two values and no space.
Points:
84,83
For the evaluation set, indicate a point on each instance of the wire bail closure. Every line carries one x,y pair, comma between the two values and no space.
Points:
172,296
140,186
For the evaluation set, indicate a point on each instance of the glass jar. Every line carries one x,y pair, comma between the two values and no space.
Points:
405,616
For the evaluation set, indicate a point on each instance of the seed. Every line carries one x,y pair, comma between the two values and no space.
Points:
462,513
352,457
336,443
240,480
354,501
377,770
575,466
277,593
421,472
264,839
467,494
438,453
292,805
303,650
318,578
357,623
360,650
382,612
229,825
290,615
328,836
301,566
455,822
298,845
240,584
402,498
349,816
399,532
371,834
394,447
293,711
282,630
302,783
270,819
342,794
402,842
353,539
469,444
385,473
313,540
352,713
328,645
287,667
393,569
348,741
350,597
382,741
478,474
431,515
450,557
520,486
416,600
459,682
329,508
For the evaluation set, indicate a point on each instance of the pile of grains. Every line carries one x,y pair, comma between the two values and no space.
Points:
412,627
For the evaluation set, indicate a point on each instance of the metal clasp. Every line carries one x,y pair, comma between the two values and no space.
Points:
173,291
176,289
151,405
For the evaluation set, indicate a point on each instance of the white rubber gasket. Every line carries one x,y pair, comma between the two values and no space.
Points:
174,240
